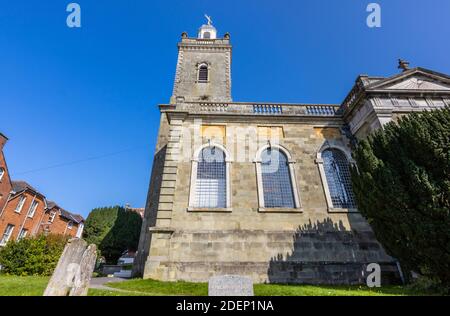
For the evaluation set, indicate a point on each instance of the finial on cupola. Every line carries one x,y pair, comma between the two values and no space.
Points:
403,64
207,31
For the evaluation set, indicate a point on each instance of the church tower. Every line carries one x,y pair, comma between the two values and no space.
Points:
203,70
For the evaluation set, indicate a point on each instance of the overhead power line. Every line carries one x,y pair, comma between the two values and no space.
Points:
68,163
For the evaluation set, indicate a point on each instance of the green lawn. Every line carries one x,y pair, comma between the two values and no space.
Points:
152,287
34,286
22,286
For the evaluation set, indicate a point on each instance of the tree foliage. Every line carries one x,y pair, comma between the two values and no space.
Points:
114,230
402,186
32,256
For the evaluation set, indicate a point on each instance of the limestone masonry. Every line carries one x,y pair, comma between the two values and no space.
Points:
275,204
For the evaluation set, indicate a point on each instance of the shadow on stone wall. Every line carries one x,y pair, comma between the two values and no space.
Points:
151,210
328,253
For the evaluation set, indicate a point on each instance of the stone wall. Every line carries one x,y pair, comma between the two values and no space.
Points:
304,245
154,190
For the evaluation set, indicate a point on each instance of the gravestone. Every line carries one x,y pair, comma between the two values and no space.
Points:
73,272
230,285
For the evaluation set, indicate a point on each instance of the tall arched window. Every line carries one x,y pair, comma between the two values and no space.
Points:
2,172
335,171
203,73
276,180
210,186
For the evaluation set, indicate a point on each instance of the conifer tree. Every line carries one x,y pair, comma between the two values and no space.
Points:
402,186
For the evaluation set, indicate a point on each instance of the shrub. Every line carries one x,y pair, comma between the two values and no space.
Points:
402,186
114,230
32,256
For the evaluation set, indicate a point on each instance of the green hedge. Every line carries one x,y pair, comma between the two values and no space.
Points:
114,230
402,187
32,256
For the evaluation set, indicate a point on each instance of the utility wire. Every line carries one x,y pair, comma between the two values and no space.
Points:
63,164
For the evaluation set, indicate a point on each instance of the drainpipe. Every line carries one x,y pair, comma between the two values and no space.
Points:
65,229
38,225
6,203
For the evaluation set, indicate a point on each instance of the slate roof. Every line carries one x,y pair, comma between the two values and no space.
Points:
66,214
19,186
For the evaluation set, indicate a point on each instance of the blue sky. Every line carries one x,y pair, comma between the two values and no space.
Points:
80,105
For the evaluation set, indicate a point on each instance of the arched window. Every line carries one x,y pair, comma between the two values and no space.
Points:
335,172
2,172
203,73
276,180
207,35
210,186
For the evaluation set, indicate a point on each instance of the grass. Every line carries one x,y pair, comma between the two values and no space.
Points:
162,288
201,289
97,292
22,286
35,286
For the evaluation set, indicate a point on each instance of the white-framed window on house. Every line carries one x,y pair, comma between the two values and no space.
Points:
33,208
210,180
20,204
2,173
22,234
277,186
51,218
334,167
7,234
70,225
203,73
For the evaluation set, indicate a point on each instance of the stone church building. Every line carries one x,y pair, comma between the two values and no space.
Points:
263,189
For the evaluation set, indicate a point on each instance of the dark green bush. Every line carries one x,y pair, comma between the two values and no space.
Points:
402,187
114,230
32,256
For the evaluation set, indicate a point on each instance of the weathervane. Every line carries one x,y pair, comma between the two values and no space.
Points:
403,64
209,19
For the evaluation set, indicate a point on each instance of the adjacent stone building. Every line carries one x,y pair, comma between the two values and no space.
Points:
263,189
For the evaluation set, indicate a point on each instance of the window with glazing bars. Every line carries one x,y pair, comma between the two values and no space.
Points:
203,73
337,172
211,187
277,185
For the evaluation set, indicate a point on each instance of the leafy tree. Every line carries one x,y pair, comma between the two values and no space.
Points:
32,256
114,230
402,186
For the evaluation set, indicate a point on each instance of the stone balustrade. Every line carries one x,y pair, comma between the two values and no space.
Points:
270,109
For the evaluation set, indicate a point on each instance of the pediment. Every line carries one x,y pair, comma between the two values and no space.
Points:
414,80
419,83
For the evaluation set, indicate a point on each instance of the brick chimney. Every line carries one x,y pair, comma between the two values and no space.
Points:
3,140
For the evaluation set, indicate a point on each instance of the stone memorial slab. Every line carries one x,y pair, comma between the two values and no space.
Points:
230,285
73,272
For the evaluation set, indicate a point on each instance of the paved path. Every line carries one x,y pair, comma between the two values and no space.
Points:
99,283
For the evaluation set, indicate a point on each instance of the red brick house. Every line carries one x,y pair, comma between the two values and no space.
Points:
5,181
24,211
59,221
